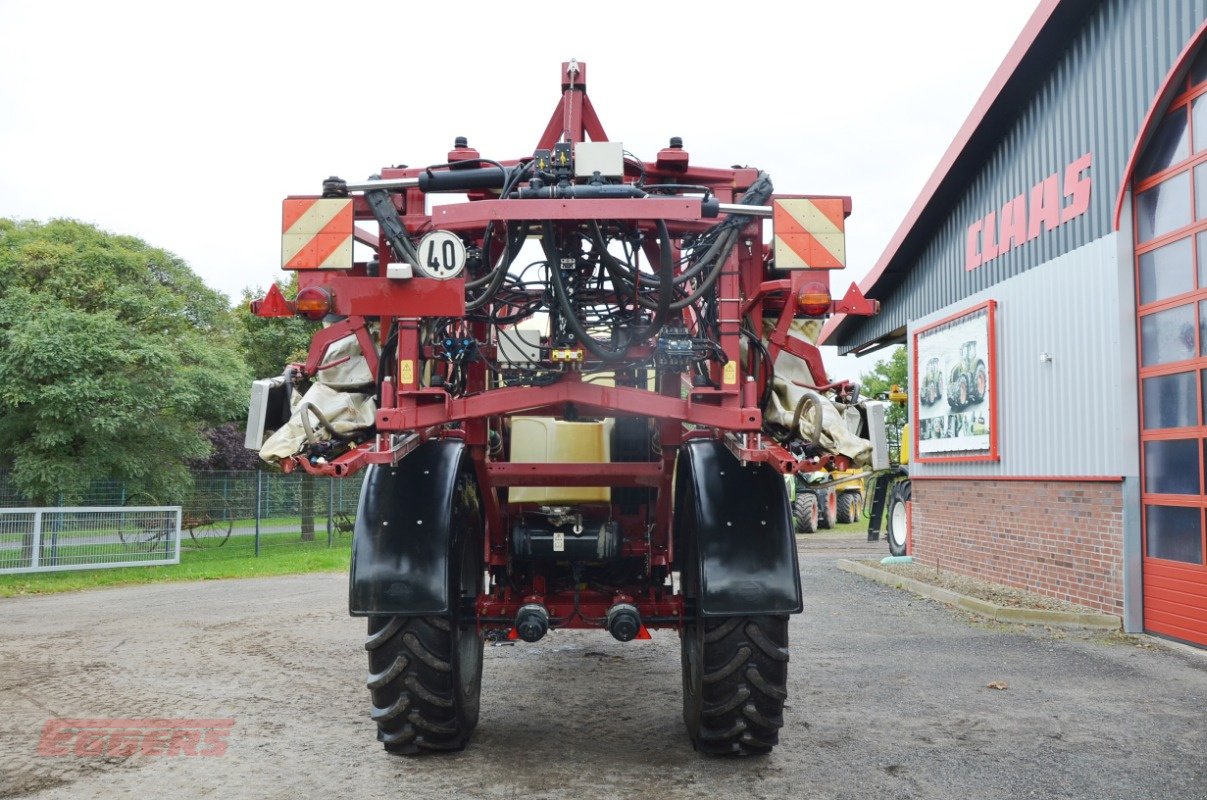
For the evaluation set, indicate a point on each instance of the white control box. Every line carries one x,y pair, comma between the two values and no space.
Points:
606,158
520,344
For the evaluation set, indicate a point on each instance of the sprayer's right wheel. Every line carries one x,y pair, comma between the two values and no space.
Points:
735,682
425,673
804,511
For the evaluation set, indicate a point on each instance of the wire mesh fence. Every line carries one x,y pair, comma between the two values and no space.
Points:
233,514
51,539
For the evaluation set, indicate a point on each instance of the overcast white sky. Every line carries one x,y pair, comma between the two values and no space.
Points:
185,124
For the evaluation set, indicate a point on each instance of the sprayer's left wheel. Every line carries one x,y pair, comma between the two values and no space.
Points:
425,673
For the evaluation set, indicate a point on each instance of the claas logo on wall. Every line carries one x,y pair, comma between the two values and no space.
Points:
1043,207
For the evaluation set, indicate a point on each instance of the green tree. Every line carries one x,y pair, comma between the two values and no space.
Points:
268,344
116,357
887,373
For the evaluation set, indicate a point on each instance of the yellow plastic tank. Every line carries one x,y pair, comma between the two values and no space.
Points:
536,440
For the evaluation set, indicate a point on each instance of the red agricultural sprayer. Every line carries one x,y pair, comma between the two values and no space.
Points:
575,392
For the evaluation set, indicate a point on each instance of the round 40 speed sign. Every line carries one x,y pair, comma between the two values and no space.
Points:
441,255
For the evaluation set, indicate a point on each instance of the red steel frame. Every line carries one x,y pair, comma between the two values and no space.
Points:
990,306
411,414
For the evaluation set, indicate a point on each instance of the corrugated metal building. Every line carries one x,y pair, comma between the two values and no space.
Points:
1051,284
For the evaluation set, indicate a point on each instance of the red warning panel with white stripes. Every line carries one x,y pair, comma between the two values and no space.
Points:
810,232
316,233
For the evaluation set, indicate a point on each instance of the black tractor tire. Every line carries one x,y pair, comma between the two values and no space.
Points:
957,396
735,669
850,504
804,511
827,508
980,382
425,673
898,518
735,682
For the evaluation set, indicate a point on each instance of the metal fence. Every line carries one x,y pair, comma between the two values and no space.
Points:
238,514
52,539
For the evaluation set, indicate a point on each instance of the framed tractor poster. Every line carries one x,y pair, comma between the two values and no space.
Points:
955,402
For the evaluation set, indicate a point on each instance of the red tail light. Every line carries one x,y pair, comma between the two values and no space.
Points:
813,300
314,302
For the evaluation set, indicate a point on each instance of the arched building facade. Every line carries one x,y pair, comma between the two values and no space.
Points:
1051,285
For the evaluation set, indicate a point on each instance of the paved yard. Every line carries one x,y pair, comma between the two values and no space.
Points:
889,698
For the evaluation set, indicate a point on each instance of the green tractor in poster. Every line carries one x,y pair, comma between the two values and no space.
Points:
969,379
932,383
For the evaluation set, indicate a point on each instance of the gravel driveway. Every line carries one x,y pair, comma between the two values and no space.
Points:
889,698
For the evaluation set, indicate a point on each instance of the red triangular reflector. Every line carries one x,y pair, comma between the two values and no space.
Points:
512,635
274,304
643,633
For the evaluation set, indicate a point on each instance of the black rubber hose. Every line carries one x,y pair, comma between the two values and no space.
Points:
514,176
385,361
500,271
726,243
391,226
666,278
563,300
768,368
718,253
621,274
758,194
666,285
720,248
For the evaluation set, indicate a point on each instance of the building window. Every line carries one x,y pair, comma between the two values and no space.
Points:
1170,206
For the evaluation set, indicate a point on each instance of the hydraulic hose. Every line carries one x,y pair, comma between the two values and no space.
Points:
666,278
767,366
713,259
558,280
666,285
758,194
499,273
492,278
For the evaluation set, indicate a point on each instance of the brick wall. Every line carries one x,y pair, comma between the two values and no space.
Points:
1056,538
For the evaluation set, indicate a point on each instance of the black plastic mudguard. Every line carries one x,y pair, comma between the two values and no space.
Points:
742,525
402,542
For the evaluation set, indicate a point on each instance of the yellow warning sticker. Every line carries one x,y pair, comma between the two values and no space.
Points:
406,371
730,375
